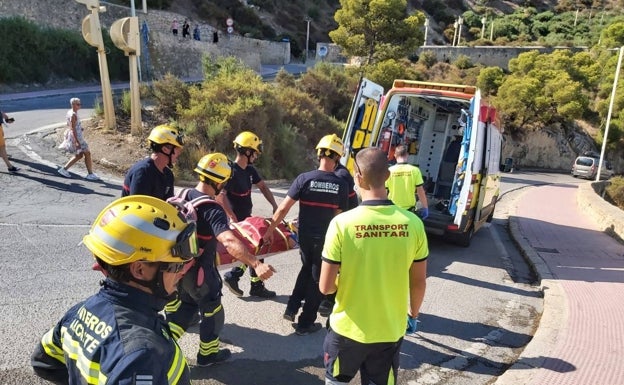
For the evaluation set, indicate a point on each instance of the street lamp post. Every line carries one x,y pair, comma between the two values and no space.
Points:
483,21
308,20
606,134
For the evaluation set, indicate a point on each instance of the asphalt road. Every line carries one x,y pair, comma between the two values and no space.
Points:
480,308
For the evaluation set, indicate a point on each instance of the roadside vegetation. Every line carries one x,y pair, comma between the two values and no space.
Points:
540,91
32,54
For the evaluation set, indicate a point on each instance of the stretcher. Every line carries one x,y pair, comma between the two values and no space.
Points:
250,231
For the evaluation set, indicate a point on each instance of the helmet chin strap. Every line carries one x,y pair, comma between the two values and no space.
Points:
156,285
169,155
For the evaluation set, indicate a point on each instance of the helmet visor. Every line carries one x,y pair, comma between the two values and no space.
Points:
186,243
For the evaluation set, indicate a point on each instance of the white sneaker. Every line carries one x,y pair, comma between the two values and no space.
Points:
64,172
92,176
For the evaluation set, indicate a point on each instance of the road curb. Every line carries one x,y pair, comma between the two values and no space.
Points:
554,313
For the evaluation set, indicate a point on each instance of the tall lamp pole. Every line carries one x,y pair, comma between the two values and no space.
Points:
606,134
308,20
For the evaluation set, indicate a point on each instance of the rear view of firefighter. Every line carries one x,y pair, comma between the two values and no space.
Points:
153,176
117,336
236,200
321,195
200,289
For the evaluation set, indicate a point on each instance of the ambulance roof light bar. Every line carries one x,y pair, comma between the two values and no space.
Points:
435,86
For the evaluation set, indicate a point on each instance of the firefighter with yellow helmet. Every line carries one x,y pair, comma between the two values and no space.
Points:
236,200
152,175
321,195
200,289
117,335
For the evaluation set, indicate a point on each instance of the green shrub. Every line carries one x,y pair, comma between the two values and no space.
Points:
52,53
463,62
170,93
615,191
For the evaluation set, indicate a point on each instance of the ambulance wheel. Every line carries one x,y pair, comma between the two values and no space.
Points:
464,239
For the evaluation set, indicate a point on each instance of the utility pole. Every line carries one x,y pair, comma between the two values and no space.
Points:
426,30
483,21
133,14
606,134
308,20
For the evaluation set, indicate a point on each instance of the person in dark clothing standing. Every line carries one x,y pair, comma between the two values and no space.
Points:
321,195
236,200
117,336
153,176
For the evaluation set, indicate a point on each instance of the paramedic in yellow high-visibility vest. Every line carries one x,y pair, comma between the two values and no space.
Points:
381,253
405,182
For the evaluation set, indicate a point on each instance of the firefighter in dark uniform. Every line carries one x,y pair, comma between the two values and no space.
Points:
153,176
327,304
236,200
321,195
200,289
118,336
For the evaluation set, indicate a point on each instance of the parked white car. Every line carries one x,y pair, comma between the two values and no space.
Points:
587,167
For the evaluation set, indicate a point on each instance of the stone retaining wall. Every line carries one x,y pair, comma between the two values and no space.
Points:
609,217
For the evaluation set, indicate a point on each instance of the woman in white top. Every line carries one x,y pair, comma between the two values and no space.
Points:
75,143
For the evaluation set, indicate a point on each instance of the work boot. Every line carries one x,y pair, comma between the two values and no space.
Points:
216,358
258,290
304,331
232,284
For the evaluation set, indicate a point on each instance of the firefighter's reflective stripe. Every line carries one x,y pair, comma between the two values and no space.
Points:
176,330
89,370
177,366
51,349
207,348
173,306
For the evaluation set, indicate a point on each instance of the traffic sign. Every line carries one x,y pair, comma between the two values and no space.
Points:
230,29
229,22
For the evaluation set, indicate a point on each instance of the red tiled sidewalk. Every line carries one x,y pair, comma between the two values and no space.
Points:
580,339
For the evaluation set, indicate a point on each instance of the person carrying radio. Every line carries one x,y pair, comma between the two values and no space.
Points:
236,200
117,336
200,289
405,182
152,175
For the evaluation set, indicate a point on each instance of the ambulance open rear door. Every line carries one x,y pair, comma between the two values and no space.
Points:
361,121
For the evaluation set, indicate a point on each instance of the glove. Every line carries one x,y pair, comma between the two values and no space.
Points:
412,324
422,212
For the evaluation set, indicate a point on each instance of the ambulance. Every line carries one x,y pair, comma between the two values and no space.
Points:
451,134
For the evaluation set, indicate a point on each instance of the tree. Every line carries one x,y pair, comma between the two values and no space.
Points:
490,78
377,29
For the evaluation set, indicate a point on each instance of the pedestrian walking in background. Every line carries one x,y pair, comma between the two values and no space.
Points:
74,142
196,33
405,182
200,289
5,119
380,272
236,201
186,29
174,27
321,195
117,336
152,175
